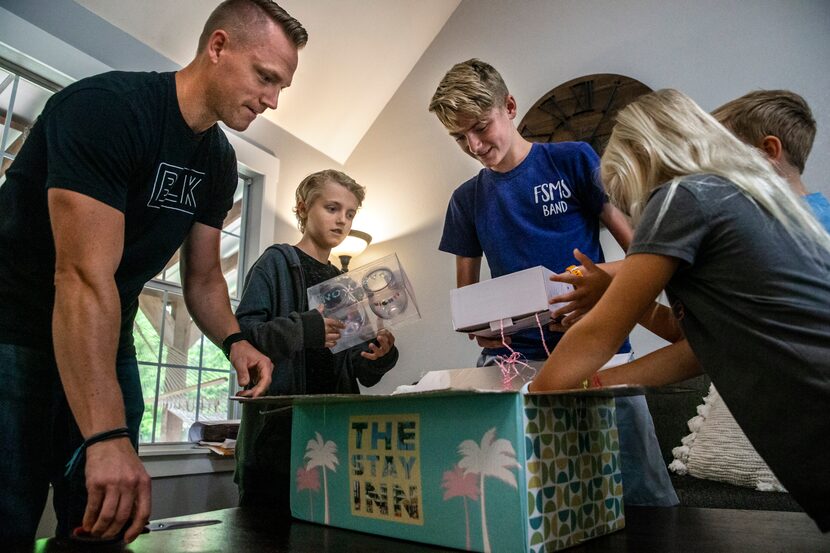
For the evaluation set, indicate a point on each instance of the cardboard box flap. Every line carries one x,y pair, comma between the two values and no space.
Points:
471,379
287,401
606,391
276,402
491,378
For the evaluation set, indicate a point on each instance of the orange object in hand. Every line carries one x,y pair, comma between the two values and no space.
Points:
574,270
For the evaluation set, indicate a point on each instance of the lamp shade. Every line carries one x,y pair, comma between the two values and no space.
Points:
354,244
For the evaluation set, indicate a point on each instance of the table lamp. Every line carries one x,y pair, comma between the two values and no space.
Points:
354,244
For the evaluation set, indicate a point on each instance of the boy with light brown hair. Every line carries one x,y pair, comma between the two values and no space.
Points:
781,124
534,204
275,316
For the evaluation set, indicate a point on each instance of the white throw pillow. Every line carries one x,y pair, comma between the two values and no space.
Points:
717,449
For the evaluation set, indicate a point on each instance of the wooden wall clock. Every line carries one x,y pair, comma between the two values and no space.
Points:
583,109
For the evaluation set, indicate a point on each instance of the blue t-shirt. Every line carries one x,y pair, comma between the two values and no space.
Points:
821,208
534,214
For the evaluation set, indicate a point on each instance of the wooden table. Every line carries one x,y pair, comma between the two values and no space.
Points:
677,529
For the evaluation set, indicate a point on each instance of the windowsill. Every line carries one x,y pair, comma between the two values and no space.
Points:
165,450
168,460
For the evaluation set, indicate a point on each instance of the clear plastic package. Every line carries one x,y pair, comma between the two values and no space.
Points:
366,299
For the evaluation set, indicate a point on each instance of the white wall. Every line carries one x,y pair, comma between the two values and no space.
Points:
712,50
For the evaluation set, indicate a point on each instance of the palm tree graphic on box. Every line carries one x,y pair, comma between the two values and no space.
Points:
458,484
308,479
491,457
320,453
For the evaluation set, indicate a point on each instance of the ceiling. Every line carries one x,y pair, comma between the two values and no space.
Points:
358,54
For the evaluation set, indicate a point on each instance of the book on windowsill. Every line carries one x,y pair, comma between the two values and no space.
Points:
213,431
225,448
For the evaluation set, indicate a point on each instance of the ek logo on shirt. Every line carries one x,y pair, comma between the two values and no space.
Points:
173,188
552,196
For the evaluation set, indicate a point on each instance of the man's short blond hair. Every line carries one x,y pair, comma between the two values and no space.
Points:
241,17
468,91
780,113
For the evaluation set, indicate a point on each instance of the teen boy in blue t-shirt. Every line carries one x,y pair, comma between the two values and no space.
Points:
533,204
780,123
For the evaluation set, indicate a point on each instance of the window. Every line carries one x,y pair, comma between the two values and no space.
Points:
22,97
184,376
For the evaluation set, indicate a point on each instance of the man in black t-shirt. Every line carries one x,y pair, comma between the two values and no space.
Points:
119,170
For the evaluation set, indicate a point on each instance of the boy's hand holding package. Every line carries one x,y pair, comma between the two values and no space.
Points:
380,346
333,328
589,282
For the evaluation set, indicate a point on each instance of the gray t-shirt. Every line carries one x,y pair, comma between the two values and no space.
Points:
755,308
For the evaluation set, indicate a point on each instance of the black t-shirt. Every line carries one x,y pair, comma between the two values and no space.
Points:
119,138
321,375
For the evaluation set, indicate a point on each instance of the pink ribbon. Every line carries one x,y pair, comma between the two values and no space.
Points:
512,366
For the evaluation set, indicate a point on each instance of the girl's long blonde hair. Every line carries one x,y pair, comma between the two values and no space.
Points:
664,136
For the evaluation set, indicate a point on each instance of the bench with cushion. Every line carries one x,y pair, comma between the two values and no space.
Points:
671,408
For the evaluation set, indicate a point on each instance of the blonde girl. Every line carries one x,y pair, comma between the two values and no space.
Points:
746,269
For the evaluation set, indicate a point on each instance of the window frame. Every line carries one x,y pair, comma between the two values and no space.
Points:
12,82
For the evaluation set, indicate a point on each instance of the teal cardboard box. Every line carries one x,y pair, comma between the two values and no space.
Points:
481,471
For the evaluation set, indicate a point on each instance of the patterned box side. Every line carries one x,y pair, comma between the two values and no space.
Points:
574,484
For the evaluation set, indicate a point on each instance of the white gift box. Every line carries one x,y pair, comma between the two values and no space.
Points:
509,303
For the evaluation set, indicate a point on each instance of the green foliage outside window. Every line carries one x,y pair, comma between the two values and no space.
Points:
211,393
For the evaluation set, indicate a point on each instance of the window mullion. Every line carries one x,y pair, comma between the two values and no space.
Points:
158,366
9,112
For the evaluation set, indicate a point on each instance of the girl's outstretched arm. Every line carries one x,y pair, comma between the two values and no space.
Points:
593,340
667,365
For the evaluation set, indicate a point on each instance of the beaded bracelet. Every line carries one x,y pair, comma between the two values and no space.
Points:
113,434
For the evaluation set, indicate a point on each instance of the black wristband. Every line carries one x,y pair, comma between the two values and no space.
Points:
122,432
229,341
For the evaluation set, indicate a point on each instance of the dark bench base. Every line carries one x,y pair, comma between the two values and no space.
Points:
695,492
